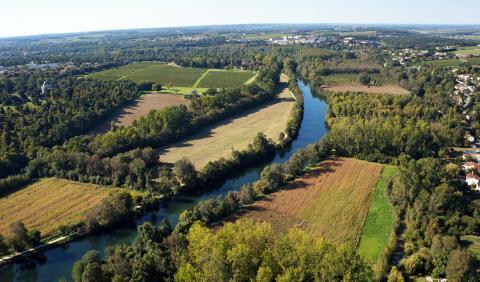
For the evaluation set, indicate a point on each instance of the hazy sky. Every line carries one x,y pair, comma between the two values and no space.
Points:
23,17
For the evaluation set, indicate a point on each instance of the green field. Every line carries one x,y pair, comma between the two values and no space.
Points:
470,50
152,72
380,219
352,78
453,62
175,79
224,79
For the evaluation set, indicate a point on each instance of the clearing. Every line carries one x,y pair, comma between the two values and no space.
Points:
331,201
384,89
50,203
380,219
140,107
237,132
176,79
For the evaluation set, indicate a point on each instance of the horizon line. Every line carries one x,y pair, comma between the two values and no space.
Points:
237,24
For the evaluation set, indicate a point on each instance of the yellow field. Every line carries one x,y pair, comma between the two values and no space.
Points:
218,140
331,201
50,203
384,89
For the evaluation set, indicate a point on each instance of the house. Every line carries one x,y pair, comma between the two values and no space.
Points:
472,180
470,138
471,154
470,165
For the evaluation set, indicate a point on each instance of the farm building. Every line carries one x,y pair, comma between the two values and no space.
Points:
471,154
472,180
471,165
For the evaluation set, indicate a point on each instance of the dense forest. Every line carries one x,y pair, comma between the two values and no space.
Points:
32,118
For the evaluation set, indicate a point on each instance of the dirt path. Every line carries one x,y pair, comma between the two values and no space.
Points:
195,85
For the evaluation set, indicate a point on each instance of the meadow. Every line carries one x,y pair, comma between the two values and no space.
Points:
50,203
380,219
152,72
331,201
453,62
224,79
237,132
142,106
469,50
176,79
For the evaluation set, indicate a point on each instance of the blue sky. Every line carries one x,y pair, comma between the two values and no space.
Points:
24,17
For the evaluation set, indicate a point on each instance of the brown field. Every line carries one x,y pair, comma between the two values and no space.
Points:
50,203
141,107
385,89
218,140
331,201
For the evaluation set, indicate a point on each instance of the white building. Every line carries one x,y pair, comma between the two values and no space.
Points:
472,180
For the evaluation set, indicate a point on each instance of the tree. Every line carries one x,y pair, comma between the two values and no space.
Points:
264,274
246,194
149,235
187,273
93,273
395,275
156,87
185,171
273,175
460,266
4,249
78,269
364,79
211,92
116,208
23,239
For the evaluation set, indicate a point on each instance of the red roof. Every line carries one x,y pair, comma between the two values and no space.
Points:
473,175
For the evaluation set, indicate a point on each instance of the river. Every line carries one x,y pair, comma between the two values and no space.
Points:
58,262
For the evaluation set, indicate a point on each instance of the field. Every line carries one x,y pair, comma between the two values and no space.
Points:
385,89
50,203
453,62
175,79
153,72
352,78
218,140
141,107
470,50
224,79
330,201
380,219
